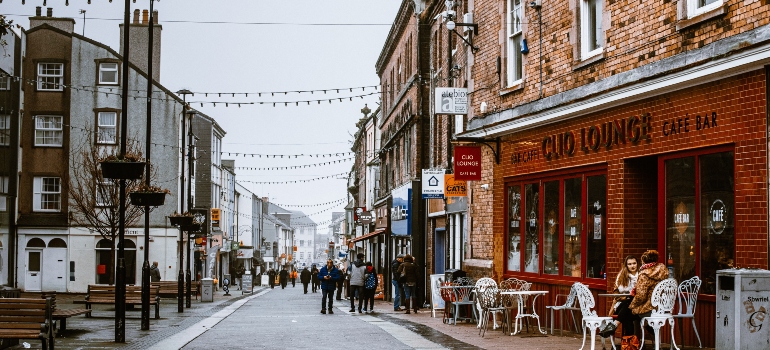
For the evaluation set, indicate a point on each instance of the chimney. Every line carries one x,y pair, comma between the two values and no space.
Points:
65,24
139,41
265,205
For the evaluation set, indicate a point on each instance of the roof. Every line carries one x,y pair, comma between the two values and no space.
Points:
299,218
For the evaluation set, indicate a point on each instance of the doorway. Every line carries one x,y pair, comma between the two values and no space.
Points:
34,275
439,259
55,266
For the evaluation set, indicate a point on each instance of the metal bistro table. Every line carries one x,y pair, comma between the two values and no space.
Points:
520,313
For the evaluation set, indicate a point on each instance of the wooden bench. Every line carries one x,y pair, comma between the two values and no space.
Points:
62,315
170,289
105,294
22,318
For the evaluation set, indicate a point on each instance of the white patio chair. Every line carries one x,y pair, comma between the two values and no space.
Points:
663,299
488,298
590,319
687,294
478,289
569,305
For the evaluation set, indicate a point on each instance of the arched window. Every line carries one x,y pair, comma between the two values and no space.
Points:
57,243
104,244
36,243
130,245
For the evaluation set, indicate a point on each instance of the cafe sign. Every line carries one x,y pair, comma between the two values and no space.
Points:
467,163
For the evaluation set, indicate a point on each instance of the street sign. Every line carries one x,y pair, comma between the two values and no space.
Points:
432,183
365,218
451,101
467,163
453,187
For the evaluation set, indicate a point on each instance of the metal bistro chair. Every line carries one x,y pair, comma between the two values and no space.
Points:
687,294
488,298
590,319
463,287
511,301
569,305
663,299
481,285
447,294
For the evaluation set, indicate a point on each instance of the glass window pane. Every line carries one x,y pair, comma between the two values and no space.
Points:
34,261
680,216
531,239
573,197
596,215
551,232
514,228
717,222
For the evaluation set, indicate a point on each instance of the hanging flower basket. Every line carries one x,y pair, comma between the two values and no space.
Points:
128,167
180,219
193,227
148,196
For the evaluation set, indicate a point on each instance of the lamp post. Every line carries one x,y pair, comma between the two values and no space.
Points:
189,205
180,275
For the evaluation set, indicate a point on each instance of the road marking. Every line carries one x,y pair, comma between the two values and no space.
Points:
184,337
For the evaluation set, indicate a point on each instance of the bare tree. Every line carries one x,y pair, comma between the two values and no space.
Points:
95,200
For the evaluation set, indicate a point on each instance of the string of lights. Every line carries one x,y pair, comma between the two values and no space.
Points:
341,200
316,213
335,176
295,166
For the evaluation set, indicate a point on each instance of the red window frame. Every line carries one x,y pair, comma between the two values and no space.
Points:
541,178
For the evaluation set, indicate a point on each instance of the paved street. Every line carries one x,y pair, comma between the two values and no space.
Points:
287,318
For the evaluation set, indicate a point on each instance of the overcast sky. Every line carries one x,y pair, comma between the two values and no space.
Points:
289,55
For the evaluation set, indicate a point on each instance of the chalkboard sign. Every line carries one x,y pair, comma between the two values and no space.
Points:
246,282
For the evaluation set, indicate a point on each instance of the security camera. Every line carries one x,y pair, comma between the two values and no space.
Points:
535,4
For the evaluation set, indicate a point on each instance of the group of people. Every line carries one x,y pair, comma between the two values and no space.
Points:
405,275
639,282
283,277
362,279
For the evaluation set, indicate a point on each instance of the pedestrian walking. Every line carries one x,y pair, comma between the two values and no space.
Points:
304,277
357,270
155,272
341,281
283,277
293,278
398,289
410,274
239,276
328,276
314,278
271,274
370,287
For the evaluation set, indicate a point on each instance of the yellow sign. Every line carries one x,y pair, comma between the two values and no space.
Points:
454,188
215,217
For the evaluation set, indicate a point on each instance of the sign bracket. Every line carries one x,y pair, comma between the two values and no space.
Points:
495,141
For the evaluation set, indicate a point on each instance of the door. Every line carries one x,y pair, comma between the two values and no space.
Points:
55,266
34,278
439,258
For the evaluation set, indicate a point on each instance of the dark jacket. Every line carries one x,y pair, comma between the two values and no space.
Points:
368,276
410,270
645,283
304,276
155,273
314,275
394,269
329,284
283,275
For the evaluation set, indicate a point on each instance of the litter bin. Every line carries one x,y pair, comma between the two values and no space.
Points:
207,290
743,303
452,274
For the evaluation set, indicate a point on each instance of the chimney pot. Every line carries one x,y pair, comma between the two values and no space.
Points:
38,11
136,16
145,15
49,12
155,17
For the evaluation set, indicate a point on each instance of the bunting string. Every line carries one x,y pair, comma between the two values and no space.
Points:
335,176
341,200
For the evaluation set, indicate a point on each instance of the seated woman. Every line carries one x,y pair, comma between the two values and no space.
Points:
624,283
650,274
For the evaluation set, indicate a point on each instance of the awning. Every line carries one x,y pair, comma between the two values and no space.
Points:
368,235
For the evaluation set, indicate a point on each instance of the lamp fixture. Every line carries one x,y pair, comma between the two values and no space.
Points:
451,25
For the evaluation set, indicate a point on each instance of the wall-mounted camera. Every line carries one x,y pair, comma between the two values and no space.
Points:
536,4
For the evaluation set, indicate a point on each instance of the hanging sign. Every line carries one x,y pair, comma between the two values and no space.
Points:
245,253
215,217
451,101
454,187
432,183
467,163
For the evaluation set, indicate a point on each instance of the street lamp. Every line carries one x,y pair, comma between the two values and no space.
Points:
190,114
180,275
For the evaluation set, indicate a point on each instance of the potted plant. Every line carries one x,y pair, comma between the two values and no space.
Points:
151,196
183,219
130,166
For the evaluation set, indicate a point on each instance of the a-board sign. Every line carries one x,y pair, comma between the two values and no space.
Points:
246,284
435,293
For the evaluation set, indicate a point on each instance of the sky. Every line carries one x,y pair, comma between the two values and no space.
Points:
307,45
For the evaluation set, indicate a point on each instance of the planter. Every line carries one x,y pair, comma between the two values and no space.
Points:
180,220
192,227
122,170
148,199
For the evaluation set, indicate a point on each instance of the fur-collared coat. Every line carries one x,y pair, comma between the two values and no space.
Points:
645,283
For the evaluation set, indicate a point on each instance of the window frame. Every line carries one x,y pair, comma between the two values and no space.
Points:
5,129
515,59
60,130
694,10
58,85
5,82
99,71
97,124
662,242
585,27
541,179
4,180
99,192
38,193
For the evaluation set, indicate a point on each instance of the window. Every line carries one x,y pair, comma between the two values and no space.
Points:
515,59
47,194
108,73
591,31
5,83
302,255
106,127
48,130
3,192
104,192
5,130
50,76
698,7
700,216
301,243
546,234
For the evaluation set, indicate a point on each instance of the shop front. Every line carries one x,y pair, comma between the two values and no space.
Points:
682,172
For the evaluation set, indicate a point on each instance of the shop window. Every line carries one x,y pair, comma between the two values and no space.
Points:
568,214
699,216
